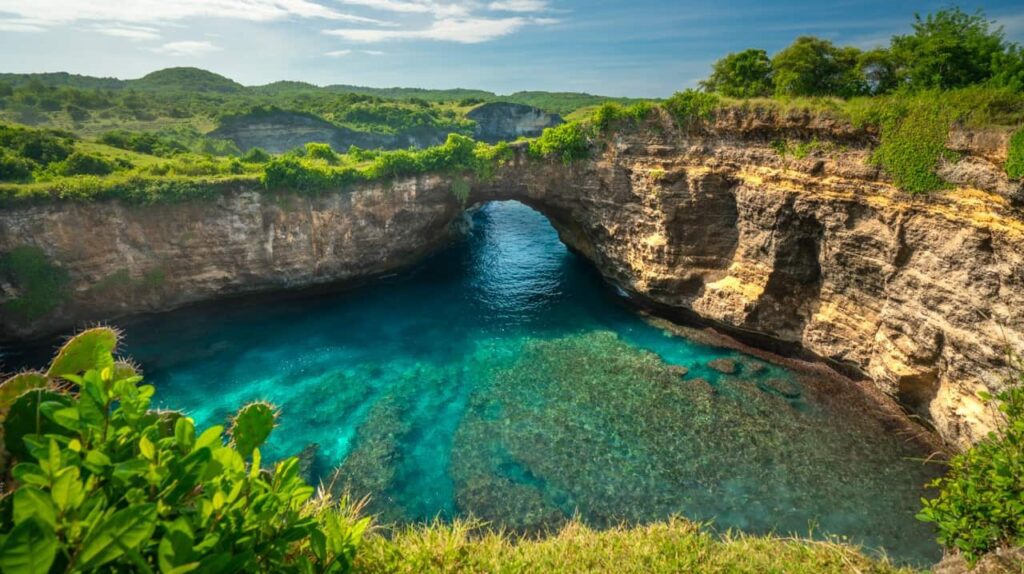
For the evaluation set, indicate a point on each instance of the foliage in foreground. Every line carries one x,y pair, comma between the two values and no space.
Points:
980,506
665,547
106,484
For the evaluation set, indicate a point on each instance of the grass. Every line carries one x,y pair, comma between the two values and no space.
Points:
675,545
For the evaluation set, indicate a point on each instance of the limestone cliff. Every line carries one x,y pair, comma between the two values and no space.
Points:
127,259
920,294
503,121
819,254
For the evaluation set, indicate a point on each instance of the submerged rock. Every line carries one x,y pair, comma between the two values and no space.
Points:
678,370
724,366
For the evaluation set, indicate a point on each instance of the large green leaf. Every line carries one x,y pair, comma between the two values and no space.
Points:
26,418
15,386
252,426
29,549
126,528
30,502
90,349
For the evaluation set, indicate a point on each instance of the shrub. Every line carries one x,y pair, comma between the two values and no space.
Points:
80,163
14,168
107,484
913,130
41,284
690,106
746,74
255,155
147,143
291,173
569,141
321,151
980,506
40,146
611,113
1015,159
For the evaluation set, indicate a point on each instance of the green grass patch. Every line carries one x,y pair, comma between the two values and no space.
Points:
1015,158
664,547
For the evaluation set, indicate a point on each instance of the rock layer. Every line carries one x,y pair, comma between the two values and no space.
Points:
127,259
821,253
919,294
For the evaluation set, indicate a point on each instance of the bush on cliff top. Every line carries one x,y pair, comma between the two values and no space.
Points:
980,506
107,484
569,142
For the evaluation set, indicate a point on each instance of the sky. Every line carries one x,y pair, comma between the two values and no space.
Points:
642,48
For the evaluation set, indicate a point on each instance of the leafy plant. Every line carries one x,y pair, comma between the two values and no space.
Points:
980,505
690,107
107,484
569,141
746,74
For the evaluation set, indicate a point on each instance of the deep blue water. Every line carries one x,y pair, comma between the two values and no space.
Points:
503,379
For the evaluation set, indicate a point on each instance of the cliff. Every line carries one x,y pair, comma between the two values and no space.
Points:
123,259
501,121
813,252
921,294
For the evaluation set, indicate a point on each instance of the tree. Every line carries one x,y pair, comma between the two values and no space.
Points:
746,74
814,67
949,49
878,68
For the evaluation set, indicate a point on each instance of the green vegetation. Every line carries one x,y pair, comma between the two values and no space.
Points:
106,484
42,286
948,49
1015,158
610,114
690,107
152,134
980,506
569,141
318,168
746,74
660,548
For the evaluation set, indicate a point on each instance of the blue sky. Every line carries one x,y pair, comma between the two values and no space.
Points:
647,48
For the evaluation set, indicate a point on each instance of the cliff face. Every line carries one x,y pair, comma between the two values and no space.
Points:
128,259
279,132
919,294
502,121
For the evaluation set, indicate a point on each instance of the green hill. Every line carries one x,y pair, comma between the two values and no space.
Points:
187,79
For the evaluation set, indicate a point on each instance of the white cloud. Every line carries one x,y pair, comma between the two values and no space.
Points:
338,53
438,9
125,31
21,25
460,30
54,12
187,48
374,52
519,5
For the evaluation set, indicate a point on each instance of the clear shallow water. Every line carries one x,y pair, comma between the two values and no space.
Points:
502,379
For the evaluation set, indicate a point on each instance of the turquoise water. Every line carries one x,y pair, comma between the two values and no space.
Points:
503,379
